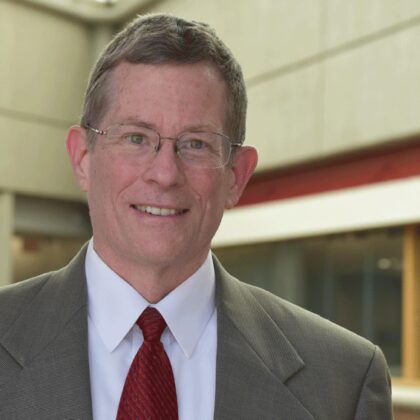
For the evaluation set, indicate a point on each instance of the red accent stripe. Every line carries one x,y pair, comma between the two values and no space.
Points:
373,166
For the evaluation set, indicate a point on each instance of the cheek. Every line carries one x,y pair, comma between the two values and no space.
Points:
108,174
211,192
103,186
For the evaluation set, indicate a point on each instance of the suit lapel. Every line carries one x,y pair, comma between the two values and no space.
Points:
254,358
49,342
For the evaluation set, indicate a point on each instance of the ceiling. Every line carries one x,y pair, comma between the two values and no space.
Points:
94,11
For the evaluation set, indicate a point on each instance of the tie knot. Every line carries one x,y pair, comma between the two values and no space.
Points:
152,324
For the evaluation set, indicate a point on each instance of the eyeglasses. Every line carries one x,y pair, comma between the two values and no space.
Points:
202,149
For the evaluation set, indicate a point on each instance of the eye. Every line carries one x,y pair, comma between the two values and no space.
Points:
196,144
136,138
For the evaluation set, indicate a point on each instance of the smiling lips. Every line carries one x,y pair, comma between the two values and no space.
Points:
159,211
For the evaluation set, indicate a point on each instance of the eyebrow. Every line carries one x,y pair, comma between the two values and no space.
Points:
194,127
136,121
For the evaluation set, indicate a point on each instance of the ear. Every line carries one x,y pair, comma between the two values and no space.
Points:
243,167
79,155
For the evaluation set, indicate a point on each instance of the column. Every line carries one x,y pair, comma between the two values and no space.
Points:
6,232
411,304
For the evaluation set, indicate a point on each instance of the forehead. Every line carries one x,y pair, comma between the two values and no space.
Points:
167,94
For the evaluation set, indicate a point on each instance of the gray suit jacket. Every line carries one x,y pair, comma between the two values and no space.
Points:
274,360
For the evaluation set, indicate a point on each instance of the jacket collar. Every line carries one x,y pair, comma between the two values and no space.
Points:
254,357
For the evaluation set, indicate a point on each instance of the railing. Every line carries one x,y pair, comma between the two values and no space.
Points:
407,397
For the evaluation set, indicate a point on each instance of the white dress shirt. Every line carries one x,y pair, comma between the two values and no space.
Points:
114,337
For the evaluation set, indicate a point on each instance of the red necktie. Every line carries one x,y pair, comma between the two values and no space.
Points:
149,389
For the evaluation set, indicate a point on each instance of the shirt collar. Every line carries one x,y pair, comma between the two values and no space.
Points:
114,305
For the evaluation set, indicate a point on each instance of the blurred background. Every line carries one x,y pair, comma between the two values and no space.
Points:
330,220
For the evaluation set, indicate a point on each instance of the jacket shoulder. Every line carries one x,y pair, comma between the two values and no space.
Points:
353,370
301,325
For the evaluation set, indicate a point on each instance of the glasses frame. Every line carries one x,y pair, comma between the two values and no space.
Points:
175,139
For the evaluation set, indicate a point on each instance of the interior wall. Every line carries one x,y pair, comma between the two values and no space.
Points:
45,60
324,76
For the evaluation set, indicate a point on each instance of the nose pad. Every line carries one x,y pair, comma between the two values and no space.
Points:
159,145
166,154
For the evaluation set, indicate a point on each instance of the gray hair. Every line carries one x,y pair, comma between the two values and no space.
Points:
161,39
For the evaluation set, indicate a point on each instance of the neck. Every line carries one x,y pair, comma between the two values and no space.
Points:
152,281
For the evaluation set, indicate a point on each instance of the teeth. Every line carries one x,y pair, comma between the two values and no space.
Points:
157,211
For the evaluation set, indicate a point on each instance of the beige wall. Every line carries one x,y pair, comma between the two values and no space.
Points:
44,65
324,76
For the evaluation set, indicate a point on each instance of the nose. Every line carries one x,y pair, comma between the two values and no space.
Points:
165,167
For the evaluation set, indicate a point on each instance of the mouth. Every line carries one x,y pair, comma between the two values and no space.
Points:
158,211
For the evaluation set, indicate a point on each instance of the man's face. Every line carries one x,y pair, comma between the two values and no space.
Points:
160,213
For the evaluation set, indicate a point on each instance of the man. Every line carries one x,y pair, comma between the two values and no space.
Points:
159,152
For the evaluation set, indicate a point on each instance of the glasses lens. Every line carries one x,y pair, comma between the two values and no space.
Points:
133,138
203,149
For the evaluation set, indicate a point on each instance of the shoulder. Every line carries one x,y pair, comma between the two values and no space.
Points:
308,331
352,370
